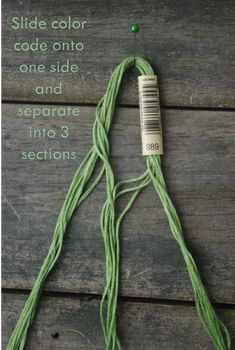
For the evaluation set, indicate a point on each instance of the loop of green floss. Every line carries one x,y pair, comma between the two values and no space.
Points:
79,190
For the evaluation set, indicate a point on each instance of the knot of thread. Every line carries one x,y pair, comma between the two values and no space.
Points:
82,185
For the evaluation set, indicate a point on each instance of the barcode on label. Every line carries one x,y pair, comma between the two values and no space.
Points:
150,117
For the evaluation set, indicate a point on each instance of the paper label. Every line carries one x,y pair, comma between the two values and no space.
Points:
150,115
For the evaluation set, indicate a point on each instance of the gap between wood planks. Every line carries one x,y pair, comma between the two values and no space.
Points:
53,103
140,300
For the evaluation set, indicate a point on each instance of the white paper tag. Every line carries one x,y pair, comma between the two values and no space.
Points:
150,115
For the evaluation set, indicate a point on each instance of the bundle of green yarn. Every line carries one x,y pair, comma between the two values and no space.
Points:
80,189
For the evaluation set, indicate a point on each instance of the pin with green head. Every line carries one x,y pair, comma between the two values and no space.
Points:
135,29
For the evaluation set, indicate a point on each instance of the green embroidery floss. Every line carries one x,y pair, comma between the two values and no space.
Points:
80,189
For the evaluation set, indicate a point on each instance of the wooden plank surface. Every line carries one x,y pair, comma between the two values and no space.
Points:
73,323
190,44
199,168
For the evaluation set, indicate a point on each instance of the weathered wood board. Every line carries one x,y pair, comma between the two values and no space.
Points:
191,47
199,167
189,43
73,323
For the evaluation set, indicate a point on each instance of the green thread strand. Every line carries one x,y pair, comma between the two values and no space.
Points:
80,189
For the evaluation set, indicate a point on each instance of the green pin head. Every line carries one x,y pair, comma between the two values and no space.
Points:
135,28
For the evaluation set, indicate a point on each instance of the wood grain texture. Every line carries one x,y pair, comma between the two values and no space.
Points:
141,326
189,43
199,167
